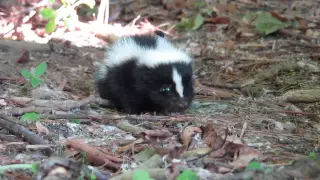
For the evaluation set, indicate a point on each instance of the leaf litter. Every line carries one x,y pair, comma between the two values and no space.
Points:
255,116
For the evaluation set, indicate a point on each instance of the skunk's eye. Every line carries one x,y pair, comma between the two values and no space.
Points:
165,89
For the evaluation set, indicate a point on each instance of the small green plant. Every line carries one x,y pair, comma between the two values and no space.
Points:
35,168
195,21
265,23
315,157
33,76
84,158
92,176
255,165
191,24
188,175
76,121
141,175
65,13
30,117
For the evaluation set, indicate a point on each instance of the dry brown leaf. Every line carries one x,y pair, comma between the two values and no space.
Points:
25,57
95,157
211,138
187,135
246,154
130,146
175,153
224,8
178,4
229,44
218,20
41,128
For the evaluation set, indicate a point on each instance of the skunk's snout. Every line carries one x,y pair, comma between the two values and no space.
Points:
182,103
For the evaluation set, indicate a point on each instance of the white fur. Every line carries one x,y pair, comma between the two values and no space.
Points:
178,81
126,48
102,71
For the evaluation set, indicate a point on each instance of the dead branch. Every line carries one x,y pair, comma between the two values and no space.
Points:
293,34
94,156
301,96
23,132
18,80
61,105
21,111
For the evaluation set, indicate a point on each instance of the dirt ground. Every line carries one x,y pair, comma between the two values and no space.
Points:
252,85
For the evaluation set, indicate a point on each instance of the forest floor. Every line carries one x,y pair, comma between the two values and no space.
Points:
257,98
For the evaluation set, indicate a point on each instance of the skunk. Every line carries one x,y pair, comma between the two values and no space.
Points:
146,73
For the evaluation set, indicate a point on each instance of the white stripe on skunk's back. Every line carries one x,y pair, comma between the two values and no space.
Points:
177,79
126,48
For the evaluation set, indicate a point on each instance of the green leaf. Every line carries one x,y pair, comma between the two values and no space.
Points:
35,168
191,23
47,13
144,155
30,117
76,121
141,175
26,74
40,69
254,165
84,158
266,24
198,21
200,4
36,82
52,1
188,175
51,26
93,176
184,24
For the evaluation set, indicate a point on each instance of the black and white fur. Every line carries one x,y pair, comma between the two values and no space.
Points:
146,73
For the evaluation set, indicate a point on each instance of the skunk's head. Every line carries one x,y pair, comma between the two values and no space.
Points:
165,75
169,87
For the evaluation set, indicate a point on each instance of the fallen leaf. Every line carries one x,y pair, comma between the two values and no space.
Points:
2,102
175,153
25,57
130,146
246,154
211,138
225,8
41,128
218,20
187,135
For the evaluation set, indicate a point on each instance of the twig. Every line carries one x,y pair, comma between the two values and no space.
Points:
94,156
292,33
293,112
244,127
18,80
21,111
23,132
62,105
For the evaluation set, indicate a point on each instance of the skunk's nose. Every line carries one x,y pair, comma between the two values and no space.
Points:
183,104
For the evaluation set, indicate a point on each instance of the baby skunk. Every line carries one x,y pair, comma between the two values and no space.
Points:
146,73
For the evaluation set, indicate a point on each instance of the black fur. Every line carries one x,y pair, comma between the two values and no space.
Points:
159,33
145,41
136,89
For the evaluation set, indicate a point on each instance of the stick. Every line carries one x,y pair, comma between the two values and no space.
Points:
24,133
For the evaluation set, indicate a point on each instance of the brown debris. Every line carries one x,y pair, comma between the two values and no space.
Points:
95,157
301,96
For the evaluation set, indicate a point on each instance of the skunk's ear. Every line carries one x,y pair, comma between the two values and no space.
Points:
159,33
